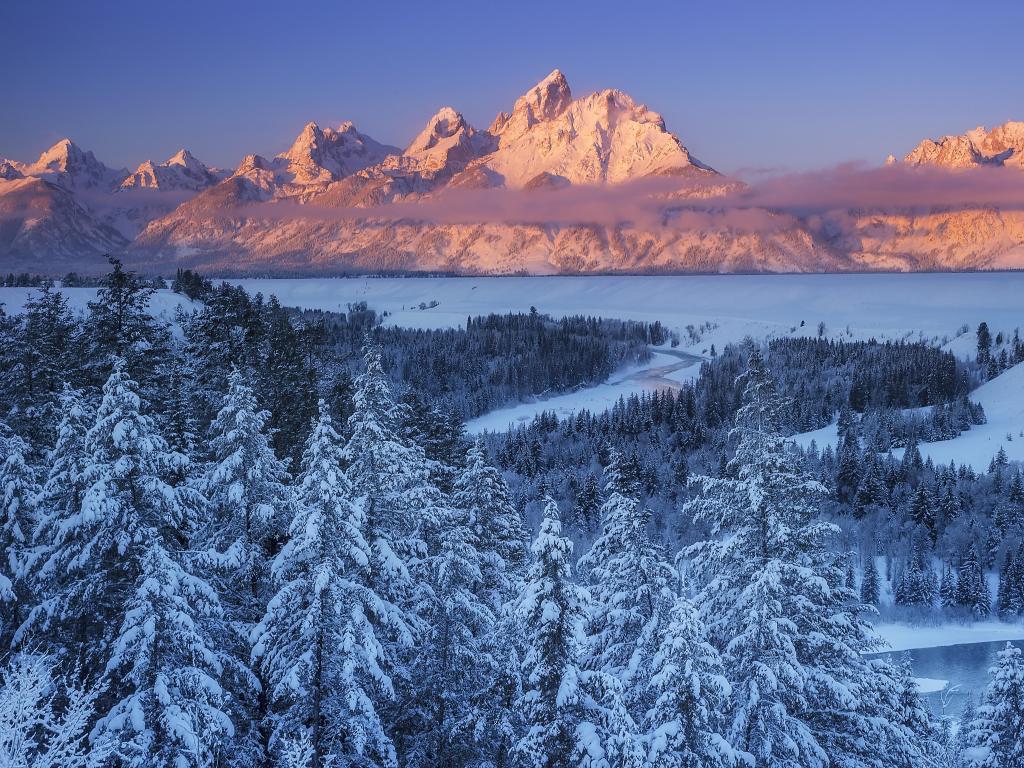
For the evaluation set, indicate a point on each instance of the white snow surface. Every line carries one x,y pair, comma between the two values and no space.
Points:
1003,401
904,637
663,371
852,306
163,302
930,684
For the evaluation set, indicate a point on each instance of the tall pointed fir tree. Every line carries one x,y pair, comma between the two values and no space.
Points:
573,717
792,635
999,725
60,498
317,643
404,507
171,711
870,587
18,492
453,668
632,586
95,539
497,527
249,506
498,536
684,724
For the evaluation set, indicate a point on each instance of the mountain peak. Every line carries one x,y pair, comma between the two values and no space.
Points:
67,164
544,102
1001,146
448,143
181,171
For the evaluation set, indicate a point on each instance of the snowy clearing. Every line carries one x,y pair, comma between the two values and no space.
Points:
1003,401
903,637
163,302
666,370
856,306
930,684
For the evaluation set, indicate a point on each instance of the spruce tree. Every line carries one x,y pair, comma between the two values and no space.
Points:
800,684
317,644
171,710
631,584
95,543
870,586
684,725
18,493
566,725
249,506
999,726
497,527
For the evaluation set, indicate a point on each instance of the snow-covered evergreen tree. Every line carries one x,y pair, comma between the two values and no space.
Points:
870,586
19,490
684,726
452,667
972,588
317,643
94,544
171,713
249,504
773,597
404,508
999,726
632,587
499,533
573,717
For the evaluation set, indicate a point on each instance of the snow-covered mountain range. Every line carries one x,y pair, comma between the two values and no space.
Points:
302,211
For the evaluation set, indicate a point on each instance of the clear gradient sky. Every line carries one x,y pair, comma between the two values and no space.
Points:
785,85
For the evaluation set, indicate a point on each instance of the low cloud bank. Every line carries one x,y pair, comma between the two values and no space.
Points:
771,204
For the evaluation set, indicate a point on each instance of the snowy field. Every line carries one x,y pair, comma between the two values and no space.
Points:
1003,401
903,637
884,306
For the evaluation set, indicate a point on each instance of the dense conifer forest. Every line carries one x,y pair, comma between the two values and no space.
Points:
256,536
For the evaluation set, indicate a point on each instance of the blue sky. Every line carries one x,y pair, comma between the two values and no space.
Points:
786,85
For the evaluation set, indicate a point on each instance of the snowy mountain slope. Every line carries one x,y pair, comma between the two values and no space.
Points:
39,219
1002,145
69,166
181,171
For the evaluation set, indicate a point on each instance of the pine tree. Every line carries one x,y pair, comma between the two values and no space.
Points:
452,668
972,589
631,584
497,527
922,510
802,693
870,586
948,588
95,546
317,644
119,327
684,725
249,502
171,713
404,507
564,723
1005,602
18,492
984,344
999,726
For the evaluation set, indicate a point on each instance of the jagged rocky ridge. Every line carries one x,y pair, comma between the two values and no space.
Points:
67,209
